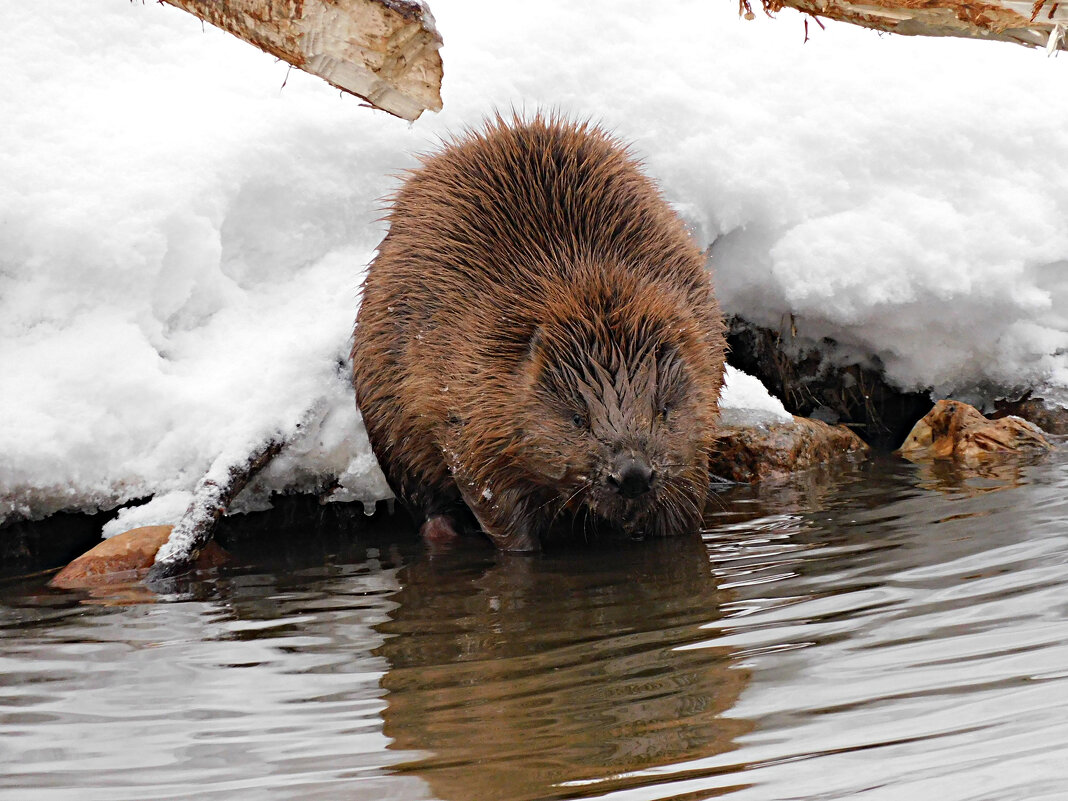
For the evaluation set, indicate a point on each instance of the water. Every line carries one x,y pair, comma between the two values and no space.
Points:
886,632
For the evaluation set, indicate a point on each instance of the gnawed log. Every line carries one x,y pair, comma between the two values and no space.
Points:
211,498
385,51
1035,23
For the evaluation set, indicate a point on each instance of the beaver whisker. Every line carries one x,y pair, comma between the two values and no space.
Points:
584,486
676,494
551,499
714,498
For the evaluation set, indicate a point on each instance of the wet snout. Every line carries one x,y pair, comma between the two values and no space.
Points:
630,476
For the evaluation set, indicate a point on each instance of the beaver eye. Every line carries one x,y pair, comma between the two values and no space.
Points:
663,413
578,420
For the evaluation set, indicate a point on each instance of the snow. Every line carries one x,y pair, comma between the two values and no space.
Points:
182,238
744,400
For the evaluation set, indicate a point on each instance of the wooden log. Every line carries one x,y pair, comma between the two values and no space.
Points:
212,496
385,51
1035,23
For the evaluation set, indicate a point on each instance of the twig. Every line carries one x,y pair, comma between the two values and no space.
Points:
211,498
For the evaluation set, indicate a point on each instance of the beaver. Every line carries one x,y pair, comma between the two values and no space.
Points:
538,341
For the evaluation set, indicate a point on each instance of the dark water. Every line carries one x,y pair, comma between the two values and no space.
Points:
892,632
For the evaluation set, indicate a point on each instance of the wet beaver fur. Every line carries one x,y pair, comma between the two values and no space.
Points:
538,342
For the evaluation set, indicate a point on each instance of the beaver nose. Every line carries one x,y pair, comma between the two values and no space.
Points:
631,477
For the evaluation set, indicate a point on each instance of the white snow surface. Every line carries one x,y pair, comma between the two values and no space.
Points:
745,400
182,236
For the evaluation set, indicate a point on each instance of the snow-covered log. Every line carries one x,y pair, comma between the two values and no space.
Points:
385,51
1036,23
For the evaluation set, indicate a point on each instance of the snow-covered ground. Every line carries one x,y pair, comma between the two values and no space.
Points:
182,237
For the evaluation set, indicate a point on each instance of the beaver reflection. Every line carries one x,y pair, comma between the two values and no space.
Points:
528,673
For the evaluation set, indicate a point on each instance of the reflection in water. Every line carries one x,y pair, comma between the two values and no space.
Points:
946,475
259,684
535,673
876,634
903,642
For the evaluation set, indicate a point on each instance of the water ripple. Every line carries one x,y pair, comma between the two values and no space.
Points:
889,632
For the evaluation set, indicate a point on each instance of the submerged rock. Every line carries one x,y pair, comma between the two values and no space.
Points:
751,449
955,430
124,558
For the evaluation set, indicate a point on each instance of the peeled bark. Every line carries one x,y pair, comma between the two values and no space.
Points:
1035,24
385,51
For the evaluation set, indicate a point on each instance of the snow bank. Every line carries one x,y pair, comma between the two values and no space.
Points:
182,238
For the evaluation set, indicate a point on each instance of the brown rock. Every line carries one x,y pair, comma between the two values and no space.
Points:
955,430
749,453
124,558
1051,418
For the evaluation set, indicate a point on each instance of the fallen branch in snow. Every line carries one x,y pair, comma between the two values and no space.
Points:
211,498
385,51
1035,23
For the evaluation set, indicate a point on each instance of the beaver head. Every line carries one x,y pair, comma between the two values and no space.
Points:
619,389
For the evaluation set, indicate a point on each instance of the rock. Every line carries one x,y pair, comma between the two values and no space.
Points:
124,558
955,430
817,380
749,452
1050,417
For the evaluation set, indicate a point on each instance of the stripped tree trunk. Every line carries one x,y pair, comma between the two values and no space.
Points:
385,51
1035,23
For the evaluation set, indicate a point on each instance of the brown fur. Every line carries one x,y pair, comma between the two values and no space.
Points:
535,314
